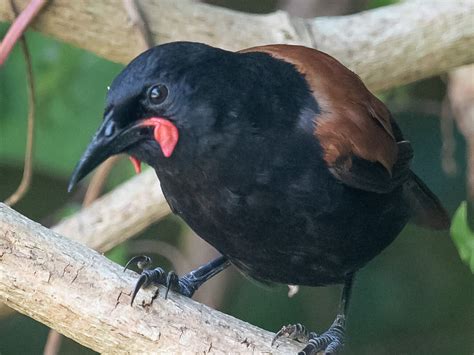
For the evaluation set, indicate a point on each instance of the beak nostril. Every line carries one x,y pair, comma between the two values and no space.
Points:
109,129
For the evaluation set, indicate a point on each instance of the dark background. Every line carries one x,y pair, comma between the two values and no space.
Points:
415,298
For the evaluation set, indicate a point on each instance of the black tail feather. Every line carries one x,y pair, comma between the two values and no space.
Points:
427,209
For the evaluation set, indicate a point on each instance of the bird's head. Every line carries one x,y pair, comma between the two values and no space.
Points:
183,99
163,94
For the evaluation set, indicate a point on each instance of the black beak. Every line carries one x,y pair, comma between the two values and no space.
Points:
108,140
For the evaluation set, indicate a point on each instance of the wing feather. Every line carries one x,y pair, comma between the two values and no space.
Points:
361,143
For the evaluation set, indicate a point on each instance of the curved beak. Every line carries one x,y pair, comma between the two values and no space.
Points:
107,141
110,140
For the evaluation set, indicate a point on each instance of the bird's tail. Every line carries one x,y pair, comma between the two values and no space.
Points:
427,209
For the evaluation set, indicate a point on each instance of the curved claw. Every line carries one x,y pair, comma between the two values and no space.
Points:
142,261
279,334
143,280
171,279
292,331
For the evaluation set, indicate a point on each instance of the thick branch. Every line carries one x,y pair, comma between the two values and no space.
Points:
115,217
86,297
387,47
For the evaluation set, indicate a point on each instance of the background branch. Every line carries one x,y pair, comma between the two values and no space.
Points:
387,46
86,297
118,215
461,94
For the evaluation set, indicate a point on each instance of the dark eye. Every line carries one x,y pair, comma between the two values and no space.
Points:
158,94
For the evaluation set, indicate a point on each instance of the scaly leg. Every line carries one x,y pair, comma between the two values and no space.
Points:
332,340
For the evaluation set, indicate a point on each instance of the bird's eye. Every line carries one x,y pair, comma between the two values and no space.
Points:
158,94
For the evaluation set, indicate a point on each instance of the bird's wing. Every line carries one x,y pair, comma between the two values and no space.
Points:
362,145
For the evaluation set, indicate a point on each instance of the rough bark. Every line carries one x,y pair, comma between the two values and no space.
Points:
115,217
388,46
86,297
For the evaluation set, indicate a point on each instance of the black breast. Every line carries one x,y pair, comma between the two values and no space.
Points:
280,216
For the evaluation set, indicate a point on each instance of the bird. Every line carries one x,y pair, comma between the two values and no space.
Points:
276,155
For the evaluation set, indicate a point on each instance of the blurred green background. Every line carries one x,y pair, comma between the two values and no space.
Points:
415,298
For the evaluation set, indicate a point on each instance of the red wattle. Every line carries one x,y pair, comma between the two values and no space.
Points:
137,164
166,134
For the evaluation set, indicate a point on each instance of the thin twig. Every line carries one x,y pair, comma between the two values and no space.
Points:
96,185
53,344
448,148
461,95
28,164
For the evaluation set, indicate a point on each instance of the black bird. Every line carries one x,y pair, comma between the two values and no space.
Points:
278,156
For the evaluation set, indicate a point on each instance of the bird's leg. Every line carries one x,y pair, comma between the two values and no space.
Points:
332,340
185,285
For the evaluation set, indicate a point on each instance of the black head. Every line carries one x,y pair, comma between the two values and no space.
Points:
193,93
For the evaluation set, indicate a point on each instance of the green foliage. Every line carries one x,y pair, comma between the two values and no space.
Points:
118,254
463,235
67,210
378,3
70,85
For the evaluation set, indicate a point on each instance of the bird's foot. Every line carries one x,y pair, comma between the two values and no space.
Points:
296,332
331,341
185,285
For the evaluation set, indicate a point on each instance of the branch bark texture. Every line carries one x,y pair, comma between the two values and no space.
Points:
387,47
86,297
115,217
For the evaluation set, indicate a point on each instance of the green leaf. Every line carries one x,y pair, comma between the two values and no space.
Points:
463,236
71,85
118,254
378,3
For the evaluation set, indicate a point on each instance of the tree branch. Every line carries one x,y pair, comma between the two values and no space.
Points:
387,47
86,297
118,215
115,217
